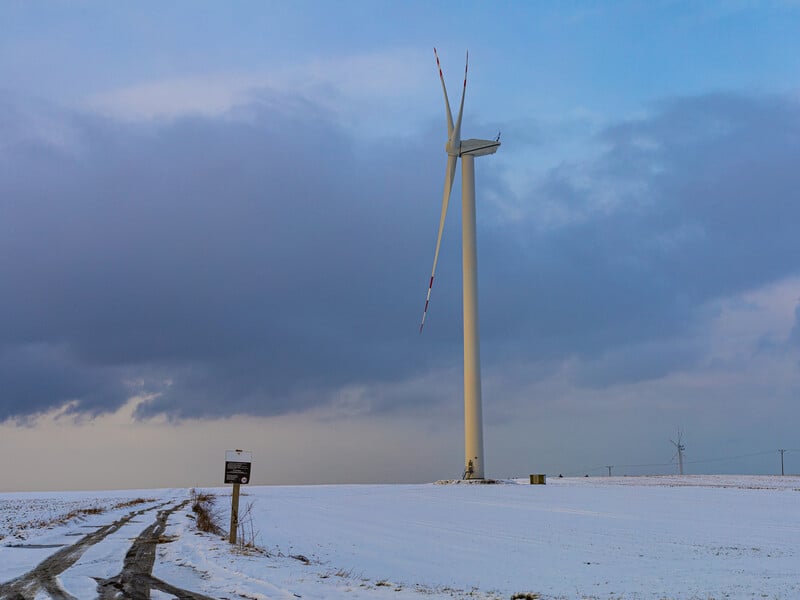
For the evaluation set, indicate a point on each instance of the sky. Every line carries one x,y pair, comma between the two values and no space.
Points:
217,224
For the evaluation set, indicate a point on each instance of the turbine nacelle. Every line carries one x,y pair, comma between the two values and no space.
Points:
472,147
479,147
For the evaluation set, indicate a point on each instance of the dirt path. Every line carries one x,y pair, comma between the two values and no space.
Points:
136,579
45,575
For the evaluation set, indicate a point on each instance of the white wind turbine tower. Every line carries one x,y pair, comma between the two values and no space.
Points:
467,150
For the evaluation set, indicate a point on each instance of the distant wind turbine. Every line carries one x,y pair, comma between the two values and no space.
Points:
467,150
679,448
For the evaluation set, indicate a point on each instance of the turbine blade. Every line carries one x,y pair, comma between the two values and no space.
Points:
448,187
457,133
446,99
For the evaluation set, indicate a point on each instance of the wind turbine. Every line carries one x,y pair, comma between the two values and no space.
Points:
467,150
679,448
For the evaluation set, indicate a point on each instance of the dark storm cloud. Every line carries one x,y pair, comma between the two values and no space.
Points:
237,264
36,377
692,204
255,262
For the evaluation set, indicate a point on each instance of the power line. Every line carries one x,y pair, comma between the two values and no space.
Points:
691,462
724,458
669,464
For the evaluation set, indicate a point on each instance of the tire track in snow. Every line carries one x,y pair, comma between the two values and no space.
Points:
45,575
136,579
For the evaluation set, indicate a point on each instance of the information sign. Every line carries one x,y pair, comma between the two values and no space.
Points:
237,466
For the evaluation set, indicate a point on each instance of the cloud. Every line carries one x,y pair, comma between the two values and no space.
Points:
690,204
39,376
257,258
268,261
795,336
359,90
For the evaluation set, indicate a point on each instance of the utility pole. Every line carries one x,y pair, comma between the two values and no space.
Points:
609,469
782,451
680,448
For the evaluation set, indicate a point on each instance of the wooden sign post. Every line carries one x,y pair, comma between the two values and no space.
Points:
234,513
237,472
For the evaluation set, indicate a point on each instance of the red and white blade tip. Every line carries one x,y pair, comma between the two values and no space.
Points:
427,302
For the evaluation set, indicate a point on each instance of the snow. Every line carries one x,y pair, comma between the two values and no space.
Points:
688,537
28,520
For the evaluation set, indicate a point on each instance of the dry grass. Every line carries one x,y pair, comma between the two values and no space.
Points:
75,514
303,559
82,512
134,502
202,496
206,518
349,574
247,534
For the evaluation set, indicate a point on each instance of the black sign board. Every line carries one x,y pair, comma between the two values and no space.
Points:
237,472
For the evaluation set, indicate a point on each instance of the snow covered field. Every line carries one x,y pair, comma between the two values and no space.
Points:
629,538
